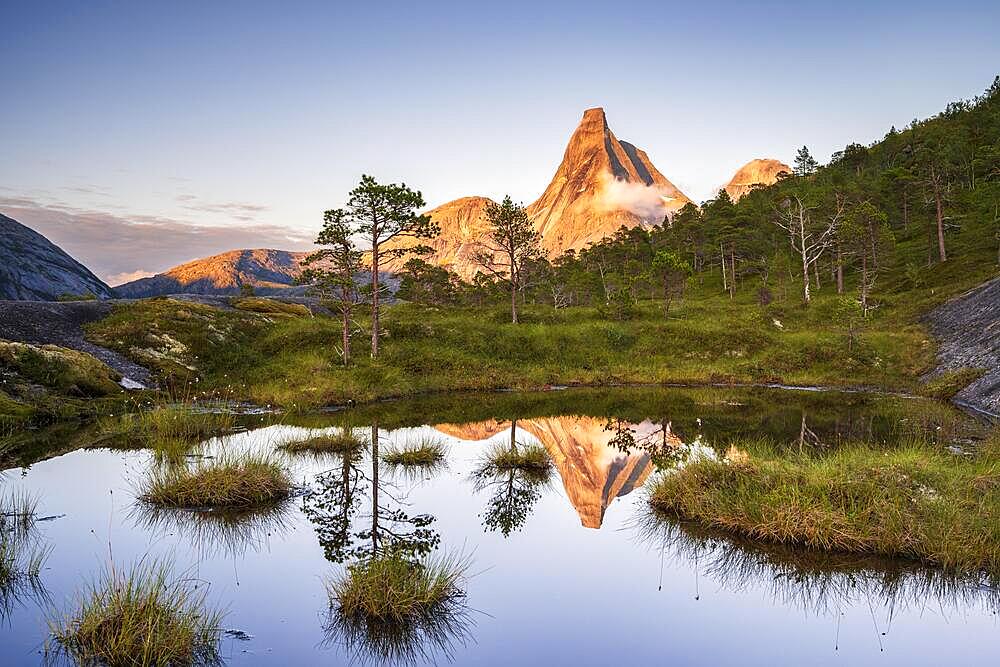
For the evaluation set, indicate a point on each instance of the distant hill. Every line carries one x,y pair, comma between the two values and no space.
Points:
463,230
32,268
754,174
267,271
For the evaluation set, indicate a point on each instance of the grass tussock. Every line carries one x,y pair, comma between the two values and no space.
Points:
428,452
166,423
391,588
244,481
342,441
142,616
524,457
916,501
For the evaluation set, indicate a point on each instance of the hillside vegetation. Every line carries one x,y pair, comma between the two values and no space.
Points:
821,278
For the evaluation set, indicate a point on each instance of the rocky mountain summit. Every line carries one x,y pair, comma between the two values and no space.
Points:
754,174
601,184
463,228
267,271
32,268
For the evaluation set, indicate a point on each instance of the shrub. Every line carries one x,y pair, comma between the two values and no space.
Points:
59,368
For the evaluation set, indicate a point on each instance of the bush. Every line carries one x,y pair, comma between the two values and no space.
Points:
424,453
391,588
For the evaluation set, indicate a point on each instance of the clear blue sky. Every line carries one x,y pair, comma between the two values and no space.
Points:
242,115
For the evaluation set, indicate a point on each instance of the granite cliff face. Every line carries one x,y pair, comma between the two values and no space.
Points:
593,471
601,184
463,228
32,268
967,329
267,271
755,173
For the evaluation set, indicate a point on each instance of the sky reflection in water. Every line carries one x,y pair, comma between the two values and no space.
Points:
566,569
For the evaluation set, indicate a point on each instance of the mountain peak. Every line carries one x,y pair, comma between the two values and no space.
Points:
601,184
755,173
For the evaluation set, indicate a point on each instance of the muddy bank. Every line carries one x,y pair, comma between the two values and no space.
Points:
967,329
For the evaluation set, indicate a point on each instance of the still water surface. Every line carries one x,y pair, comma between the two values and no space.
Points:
566,572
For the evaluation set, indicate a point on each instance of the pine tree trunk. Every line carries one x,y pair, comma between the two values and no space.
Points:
864,284
347,337
375,463
725,285
805,259
375,323
513,298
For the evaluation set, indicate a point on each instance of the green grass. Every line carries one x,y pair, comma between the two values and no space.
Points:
166,423
342,441
394,611
142,616
916,500
428,452
391,588
524,457
293,362
947,384
69,372
229,481
22,552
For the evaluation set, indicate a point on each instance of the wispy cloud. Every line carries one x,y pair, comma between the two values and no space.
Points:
127,277
114,245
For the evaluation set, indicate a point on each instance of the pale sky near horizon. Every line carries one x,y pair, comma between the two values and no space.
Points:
140,135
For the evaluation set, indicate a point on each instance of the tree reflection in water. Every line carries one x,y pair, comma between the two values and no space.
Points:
359,517
515,489
357,513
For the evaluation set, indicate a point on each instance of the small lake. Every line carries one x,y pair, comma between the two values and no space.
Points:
569,570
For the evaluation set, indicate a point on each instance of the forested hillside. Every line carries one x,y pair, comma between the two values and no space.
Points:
916,214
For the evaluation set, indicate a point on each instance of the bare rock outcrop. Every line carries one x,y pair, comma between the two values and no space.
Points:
32,268
463,228
754,174
968,332
602,184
